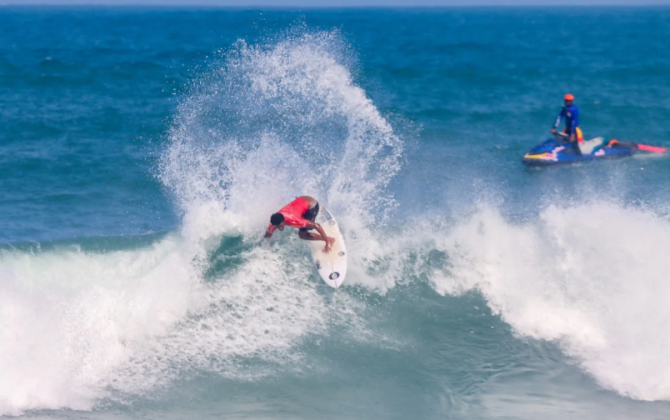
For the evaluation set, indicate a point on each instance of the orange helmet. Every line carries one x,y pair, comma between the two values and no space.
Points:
569,97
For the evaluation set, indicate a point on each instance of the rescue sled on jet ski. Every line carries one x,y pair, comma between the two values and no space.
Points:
560,150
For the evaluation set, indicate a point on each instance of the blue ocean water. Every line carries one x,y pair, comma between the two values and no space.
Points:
143,149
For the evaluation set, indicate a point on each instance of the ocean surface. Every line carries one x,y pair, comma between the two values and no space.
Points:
143,150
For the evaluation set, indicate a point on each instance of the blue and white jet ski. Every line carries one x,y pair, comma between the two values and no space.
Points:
560,150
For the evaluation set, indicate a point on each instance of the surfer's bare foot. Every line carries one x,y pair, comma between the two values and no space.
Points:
329,243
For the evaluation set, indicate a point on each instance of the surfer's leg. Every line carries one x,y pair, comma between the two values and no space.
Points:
309,236
305,233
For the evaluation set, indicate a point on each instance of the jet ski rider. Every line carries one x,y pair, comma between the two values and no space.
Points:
571,114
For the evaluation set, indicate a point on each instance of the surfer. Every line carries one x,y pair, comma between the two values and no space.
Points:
300,213
571,114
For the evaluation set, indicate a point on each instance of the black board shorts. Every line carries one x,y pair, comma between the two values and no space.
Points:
311,215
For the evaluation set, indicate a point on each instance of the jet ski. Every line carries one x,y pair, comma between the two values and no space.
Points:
559,150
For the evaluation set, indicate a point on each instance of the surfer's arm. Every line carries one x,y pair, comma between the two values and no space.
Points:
269,231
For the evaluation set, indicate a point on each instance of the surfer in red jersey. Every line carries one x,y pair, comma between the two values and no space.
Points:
300,213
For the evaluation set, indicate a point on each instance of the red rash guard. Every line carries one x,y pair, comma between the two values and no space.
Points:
293,213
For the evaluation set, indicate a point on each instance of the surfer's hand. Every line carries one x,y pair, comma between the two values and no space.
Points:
326,249
553,131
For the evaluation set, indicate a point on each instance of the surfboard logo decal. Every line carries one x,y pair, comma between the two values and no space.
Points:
334,275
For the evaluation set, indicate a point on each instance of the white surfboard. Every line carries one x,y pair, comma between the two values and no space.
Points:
332,267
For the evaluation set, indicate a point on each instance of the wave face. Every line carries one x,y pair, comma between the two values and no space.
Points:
476,289
589,277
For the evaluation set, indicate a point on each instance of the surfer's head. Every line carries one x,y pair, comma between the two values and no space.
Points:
277,220
569,97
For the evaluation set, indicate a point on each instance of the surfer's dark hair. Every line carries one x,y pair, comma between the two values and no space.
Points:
276,219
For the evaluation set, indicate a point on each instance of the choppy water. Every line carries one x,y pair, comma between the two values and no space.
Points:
142,151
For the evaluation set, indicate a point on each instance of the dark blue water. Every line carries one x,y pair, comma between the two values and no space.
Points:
142,151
